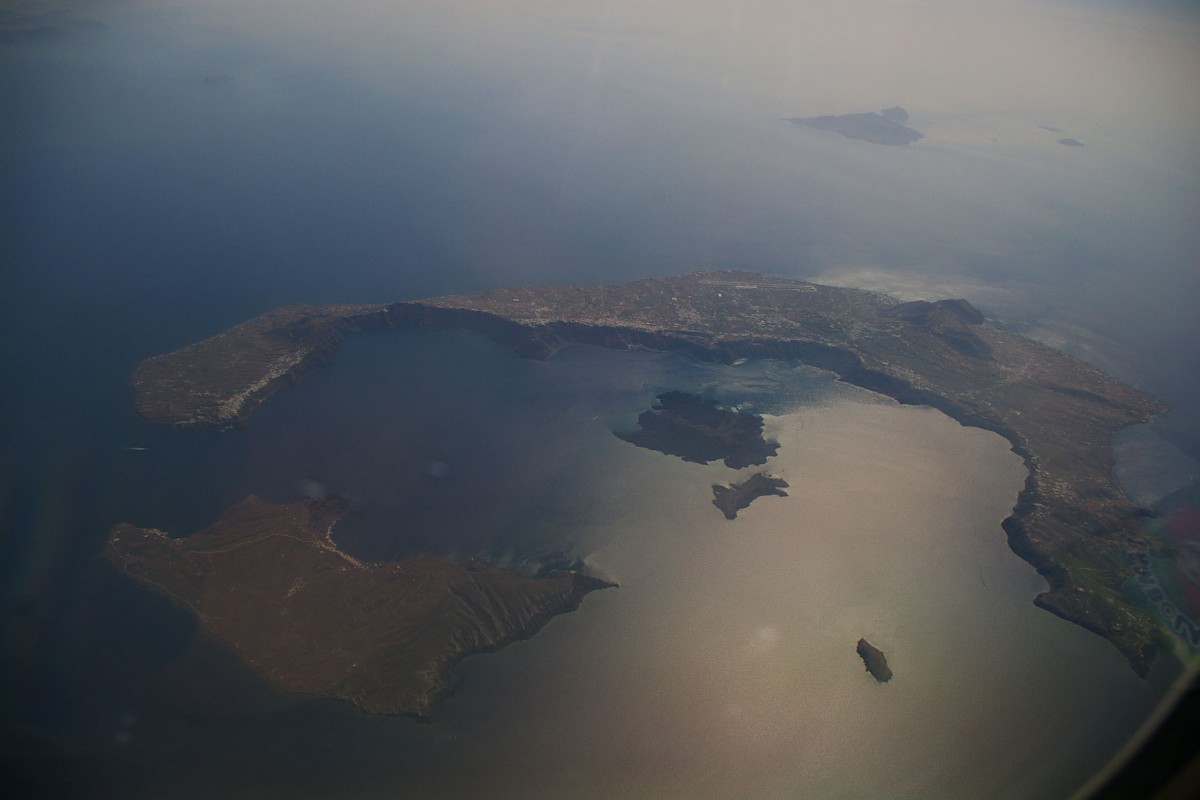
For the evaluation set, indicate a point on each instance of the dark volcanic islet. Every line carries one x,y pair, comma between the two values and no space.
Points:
874,660
736,496
697,429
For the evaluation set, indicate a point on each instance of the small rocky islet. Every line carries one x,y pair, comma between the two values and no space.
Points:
699,430
874,660
736,496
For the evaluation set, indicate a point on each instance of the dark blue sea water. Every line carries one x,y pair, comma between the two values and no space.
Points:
414,149
443,442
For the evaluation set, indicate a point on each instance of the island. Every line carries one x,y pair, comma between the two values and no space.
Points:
1069,142
697,429
885,127
874,660
269,581
736,496
1071,520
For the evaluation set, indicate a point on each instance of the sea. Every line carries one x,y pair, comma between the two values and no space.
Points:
723,665
168,169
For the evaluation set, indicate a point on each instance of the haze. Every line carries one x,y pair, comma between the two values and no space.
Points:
170,168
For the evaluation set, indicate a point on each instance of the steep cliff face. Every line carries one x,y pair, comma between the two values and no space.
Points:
269,581
221,380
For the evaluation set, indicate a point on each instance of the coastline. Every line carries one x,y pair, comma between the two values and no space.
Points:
1071,521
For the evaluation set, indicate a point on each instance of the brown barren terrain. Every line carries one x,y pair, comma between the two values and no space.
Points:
269,581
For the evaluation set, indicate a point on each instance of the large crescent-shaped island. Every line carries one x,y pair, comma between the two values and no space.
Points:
1071,521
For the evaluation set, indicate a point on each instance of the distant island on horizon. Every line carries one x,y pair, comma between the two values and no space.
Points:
885,127
1071,520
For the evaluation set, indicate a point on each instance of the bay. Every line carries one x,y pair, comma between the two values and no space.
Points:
724,664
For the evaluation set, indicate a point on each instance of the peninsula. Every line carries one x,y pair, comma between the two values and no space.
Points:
269,581
1071,520
736,496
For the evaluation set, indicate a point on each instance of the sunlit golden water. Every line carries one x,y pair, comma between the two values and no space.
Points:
724,665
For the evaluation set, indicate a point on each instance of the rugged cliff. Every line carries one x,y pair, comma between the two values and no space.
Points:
269,581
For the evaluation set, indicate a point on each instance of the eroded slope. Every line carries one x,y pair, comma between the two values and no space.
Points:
269,581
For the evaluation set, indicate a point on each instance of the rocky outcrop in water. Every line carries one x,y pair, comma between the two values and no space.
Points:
874,660
697,429
733,498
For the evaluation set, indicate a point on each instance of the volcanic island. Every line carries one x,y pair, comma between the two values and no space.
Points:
697,429
736,496
269,581
1070,521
